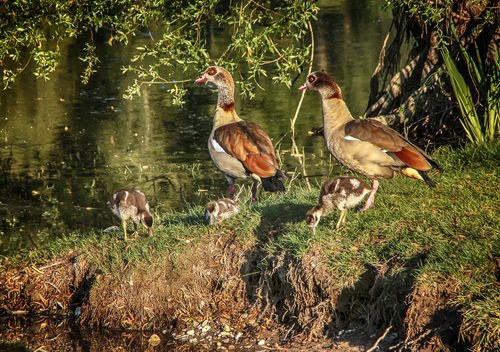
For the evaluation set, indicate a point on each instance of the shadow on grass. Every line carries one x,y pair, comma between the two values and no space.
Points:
193,218
275,216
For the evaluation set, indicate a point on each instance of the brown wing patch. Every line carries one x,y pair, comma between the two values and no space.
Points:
384,137
376,133
413,158
250,144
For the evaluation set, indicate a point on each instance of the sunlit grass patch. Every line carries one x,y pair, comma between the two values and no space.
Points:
419,246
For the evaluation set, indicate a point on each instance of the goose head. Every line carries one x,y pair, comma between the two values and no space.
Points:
324,84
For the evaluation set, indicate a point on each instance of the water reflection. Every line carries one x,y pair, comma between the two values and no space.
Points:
66,147
58,334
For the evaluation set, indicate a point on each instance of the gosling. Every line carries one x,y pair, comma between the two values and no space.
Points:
131,204
220,210
342,193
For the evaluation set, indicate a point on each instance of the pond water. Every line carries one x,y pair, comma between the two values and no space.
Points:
65,147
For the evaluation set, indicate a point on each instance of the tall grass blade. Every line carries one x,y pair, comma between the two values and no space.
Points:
470,120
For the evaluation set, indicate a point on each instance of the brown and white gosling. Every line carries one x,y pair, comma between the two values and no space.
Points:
131,204
220,210
342,193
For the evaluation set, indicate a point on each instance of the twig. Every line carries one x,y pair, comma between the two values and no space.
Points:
51,265
375,345
294,119
295,150
54,286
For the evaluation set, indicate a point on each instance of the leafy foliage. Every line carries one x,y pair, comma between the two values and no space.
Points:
418,92
265,35
480,120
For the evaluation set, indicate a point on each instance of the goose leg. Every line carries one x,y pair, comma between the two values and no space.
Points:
135,230
231,191
341,220
255,187
124,225
370,202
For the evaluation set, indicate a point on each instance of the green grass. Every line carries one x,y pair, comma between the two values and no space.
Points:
455,226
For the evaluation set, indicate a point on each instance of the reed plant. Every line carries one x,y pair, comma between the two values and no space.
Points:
480,116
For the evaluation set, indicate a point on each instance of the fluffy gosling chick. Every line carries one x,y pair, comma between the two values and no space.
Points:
131,204
342,193
219,210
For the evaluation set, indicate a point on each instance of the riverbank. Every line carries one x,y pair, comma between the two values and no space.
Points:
424,262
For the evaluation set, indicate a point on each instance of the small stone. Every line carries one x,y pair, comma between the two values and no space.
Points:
231,347
238,336
227,328
261,342
205,329
154,340
193,340
190,333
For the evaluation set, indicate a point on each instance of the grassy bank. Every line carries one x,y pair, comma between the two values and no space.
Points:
424,261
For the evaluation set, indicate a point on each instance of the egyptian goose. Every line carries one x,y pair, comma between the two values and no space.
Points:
220,210
366,146
342,193
238,148
129,204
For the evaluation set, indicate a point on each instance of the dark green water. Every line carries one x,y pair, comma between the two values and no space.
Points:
65,147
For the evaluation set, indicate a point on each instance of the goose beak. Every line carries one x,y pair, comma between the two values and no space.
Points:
202,79
303,87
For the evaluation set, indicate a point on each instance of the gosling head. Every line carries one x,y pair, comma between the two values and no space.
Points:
212,212
312,217
147,221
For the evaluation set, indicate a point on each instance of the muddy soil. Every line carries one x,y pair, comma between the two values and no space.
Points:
223,294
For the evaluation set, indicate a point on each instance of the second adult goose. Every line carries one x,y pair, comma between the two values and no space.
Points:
239,149
366,146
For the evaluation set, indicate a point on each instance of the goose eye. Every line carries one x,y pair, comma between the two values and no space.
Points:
211,71
311,79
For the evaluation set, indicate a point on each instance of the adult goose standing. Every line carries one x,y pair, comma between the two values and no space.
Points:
131,204
366,146
239,149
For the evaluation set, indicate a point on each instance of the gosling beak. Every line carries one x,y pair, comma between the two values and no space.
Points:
303,87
